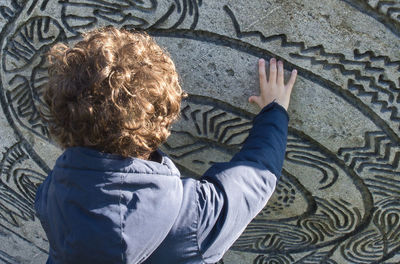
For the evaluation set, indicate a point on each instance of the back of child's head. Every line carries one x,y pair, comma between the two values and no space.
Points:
116,91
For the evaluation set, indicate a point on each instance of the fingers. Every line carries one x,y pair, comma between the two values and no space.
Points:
274,88
280,73
291,81
262,74
272,70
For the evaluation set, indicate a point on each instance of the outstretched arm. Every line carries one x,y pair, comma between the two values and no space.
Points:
266,143
231,194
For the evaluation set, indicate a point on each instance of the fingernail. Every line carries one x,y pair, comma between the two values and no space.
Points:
294,71
261,60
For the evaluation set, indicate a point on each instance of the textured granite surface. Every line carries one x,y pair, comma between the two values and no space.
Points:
339,197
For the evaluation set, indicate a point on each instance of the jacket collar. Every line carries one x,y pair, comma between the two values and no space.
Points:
91,159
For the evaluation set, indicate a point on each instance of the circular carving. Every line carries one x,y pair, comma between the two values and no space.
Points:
332,205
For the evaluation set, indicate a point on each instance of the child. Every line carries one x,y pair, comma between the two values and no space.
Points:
112,196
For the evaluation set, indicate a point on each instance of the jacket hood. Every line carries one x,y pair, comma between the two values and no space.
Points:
95,202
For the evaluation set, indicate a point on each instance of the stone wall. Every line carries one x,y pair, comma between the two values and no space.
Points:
338,199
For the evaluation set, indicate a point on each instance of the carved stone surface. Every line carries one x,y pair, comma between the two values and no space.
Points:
339,197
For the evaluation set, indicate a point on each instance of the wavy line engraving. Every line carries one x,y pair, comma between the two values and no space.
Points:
385,94
309,219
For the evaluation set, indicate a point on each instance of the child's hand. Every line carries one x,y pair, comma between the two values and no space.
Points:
274,89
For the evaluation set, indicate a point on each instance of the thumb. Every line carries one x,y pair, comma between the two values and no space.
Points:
255,99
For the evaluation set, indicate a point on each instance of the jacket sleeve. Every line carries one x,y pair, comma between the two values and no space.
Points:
231,194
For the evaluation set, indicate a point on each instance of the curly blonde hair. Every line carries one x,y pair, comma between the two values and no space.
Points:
116,91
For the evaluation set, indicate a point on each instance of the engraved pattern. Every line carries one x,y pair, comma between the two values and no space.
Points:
386,12
309,219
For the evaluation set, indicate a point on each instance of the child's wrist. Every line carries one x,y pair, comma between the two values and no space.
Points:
274,105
